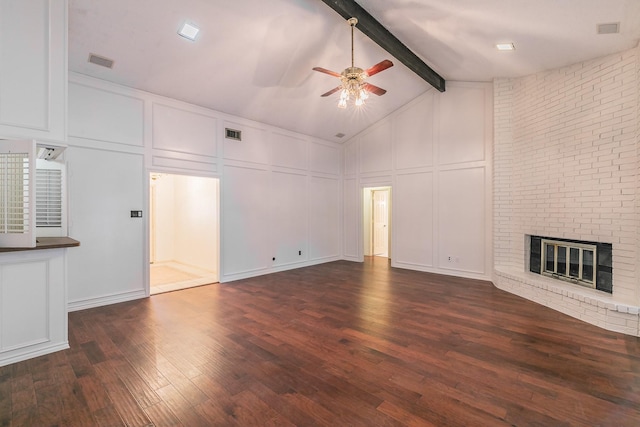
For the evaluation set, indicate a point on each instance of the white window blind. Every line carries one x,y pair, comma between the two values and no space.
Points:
17,194
50,191
48,198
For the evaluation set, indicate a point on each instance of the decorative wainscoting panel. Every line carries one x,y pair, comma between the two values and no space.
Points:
33,314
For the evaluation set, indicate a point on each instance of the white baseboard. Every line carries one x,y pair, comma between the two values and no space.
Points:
19,355
105,300
276,269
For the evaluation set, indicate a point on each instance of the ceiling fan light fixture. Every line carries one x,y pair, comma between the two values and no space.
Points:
189,31
353,83
344,97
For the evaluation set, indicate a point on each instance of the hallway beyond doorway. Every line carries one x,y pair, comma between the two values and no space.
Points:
376,221
183,231
173,276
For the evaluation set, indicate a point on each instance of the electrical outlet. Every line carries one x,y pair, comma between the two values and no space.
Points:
136,214
449,259
299,252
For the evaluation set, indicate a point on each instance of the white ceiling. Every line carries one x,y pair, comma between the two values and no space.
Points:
253,58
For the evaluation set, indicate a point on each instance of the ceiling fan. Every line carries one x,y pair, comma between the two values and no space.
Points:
353,79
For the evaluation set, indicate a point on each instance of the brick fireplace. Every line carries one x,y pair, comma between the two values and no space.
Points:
566,165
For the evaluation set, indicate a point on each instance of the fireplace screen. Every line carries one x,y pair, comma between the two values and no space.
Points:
569,261
580,262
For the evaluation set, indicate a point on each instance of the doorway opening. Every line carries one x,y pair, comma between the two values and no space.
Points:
183,231
377,221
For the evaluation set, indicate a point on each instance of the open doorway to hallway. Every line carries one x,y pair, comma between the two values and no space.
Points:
377,221
183,231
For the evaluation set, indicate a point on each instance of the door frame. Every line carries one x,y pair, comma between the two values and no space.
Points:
147,191
365,223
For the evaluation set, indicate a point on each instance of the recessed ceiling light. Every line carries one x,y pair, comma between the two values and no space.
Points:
505,46
188,31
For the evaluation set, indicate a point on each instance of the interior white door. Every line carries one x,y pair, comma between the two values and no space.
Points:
381,223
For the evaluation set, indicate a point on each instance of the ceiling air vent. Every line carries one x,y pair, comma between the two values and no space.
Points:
233,134
101,61
610,28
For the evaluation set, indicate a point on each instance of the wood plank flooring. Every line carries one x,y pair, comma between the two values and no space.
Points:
339,344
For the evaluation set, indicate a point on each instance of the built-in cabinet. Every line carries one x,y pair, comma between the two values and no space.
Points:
33,304
33,94
33,69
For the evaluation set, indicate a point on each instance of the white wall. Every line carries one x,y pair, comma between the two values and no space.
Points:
33,86
118,135
165,219
196,222
289,217
186,220
104,186
566,166
324,218
436,154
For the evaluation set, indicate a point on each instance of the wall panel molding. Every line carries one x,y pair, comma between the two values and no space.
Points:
33,316
428,166
33,88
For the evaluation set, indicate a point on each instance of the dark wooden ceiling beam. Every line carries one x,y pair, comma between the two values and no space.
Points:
379,34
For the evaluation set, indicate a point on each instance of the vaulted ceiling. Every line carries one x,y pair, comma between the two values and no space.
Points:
254,58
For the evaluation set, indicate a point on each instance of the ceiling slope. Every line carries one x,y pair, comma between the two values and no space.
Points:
254,58
379,34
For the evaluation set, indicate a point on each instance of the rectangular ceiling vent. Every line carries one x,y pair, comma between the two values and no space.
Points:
233,134
100,60
610,28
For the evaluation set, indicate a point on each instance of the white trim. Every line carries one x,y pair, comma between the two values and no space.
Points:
105,300
21,356
261,272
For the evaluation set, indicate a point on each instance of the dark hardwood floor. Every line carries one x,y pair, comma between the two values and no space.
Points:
339,344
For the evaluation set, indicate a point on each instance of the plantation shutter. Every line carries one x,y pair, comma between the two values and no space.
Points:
17,208
48,198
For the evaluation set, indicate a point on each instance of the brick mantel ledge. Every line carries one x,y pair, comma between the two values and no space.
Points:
584,304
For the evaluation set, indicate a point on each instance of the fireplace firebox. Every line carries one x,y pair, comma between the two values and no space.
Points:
580,262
